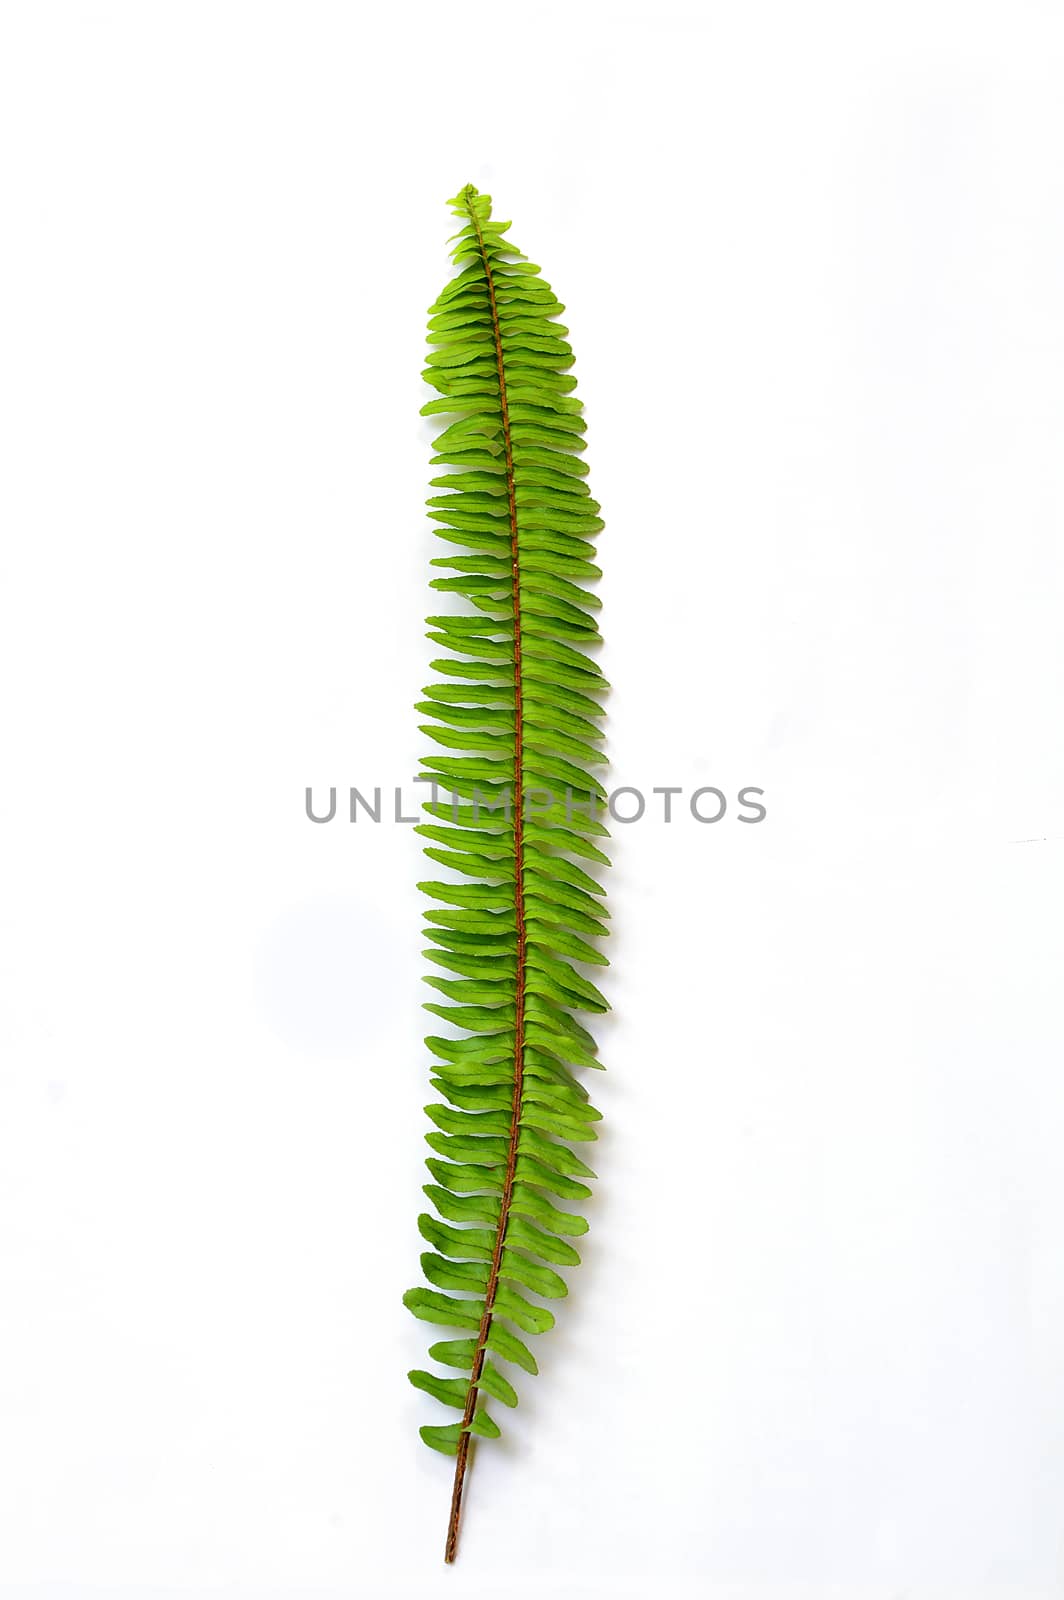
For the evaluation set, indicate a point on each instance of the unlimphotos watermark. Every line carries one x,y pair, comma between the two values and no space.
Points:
666,802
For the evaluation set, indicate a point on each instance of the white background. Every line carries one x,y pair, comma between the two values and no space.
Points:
813,259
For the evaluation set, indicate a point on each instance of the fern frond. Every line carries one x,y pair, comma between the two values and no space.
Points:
515,721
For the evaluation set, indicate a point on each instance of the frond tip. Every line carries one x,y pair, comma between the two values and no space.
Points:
515,714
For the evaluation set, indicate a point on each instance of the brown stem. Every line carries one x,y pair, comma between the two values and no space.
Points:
517,803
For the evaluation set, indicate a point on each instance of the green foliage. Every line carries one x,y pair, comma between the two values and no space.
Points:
514,717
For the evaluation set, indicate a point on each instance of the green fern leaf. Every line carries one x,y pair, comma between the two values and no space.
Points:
512,806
